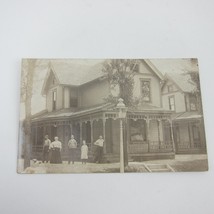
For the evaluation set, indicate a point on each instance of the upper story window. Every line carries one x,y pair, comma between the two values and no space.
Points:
146,90
172,103
193,103
170,88
73,102
73,98
54,100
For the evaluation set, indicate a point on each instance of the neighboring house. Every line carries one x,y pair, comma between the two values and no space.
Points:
75,105
188,125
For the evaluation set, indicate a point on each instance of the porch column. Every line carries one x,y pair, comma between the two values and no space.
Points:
147,133
191,134
202,135
159,140
71,128
36,134
128,134
172,136
80,132
104,135
92,133
190,138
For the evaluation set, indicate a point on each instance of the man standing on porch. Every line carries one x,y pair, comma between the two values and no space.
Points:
72,146
99,150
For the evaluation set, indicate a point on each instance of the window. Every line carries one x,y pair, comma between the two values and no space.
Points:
177,134
170,88
146,90
172,103
195,130
73,98
54,81
54,100
73,102
138,131
193,101
196,135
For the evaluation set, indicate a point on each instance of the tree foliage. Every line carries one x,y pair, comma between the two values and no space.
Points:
120,73
195,81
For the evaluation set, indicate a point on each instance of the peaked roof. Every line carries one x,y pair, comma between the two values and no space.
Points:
154,68
182,80
70,73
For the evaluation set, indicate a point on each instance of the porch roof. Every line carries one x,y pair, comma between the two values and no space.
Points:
69,112
148,108
145,109
193,115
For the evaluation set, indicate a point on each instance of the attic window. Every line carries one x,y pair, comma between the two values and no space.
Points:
54,81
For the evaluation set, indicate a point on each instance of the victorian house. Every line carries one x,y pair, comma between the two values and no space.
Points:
187,117
75,104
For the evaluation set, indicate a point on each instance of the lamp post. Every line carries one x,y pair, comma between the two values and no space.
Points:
121,115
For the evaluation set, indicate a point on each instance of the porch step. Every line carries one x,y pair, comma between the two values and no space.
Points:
152,156
113,158
158,168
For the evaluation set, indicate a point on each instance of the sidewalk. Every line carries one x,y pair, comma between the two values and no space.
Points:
181,163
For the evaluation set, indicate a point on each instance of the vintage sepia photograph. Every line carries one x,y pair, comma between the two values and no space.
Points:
111,116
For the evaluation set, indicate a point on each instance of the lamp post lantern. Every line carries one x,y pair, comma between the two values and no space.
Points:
121,115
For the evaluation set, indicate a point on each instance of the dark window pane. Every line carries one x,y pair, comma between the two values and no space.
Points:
73,102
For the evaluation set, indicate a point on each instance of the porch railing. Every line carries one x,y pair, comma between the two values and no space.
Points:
150,147
188,145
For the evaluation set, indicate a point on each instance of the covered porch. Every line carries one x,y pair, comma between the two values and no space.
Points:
147,135
189,135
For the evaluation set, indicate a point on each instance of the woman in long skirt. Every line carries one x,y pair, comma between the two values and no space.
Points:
55,148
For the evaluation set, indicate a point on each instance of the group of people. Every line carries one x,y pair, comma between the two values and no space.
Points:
52,150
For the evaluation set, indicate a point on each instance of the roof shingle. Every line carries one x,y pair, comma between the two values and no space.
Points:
182,80
70,73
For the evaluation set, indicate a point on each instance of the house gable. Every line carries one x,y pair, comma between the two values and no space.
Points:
148,79
51,81
146,66
169,86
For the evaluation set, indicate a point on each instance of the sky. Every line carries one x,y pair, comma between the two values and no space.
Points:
38,101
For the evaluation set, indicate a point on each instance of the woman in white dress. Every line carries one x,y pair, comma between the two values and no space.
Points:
84,152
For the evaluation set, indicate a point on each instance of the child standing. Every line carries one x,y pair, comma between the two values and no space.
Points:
84,152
